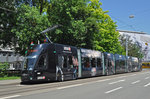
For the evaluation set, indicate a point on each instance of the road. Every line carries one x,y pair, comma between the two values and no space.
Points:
134,85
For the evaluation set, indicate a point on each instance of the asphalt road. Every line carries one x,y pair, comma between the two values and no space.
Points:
134,85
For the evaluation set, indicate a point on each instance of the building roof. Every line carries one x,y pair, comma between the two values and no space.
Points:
131,32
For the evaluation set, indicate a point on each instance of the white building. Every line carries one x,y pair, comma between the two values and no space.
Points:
142,38
14,59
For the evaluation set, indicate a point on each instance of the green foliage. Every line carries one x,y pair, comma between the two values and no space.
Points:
105,34
70,14
9,78
29,24
3,69
42,5
84,25
7,21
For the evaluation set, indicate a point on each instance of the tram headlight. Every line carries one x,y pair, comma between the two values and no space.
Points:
38,73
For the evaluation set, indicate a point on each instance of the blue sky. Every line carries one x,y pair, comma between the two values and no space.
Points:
120,10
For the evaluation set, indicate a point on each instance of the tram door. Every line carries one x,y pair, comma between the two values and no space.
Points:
109,66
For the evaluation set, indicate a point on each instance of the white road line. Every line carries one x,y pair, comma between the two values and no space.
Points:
117,81
135,82
70,86
20,85
113,90
10,97
122,77
133,75
147,85
147,78
103,80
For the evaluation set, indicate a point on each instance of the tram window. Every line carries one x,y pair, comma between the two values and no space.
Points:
65,62
70,61
109,63
86,63
60,60
93,62
99,62
122,63
117,63
4,54
42,62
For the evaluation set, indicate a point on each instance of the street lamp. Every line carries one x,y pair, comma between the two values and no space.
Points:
131,16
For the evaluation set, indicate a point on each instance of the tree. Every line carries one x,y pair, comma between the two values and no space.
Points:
105,35
29,24
42,5
7,21
70,14
84,25
134,48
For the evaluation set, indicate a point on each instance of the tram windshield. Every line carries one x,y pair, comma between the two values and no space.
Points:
34,50
29,63
31,58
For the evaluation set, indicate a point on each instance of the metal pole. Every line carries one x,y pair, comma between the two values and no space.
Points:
126,45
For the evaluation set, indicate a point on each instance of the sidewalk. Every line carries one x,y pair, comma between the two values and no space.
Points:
7,82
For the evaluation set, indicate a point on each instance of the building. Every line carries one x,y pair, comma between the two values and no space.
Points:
141,38
14,59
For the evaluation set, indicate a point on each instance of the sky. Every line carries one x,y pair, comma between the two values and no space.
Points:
120,10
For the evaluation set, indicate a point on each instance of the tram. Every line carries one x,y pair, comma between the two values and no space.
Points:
58,62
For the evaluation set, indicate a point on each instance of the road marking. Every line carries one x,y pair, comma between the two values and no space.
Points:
122,77
135,82
113,90
10,97
103,80
20,85
147,85
133,75
70,86
147,78
117,81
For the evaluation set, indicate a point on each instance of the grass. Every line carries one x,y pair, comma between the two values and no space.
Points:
9,78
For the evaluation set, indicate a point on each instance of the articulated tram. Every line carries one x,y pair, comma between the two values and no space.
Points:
57,62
